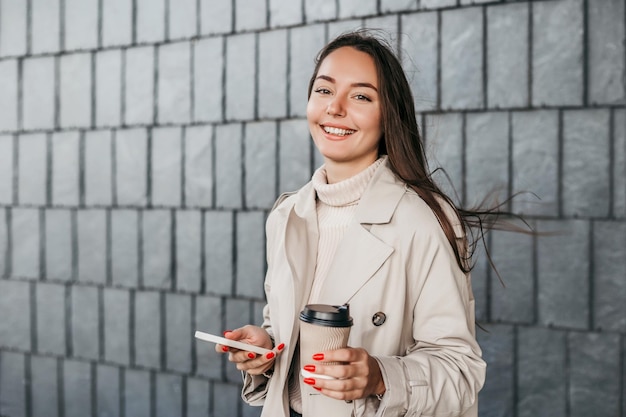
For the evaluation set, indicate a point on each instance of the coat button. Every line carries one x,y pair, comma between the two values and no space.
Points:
379,318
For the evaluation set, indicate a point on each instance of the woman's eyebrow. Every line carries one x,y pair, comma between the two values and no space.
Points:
359,84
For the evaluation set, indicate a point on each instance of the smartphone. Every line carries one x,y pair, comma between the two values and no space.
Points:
231,343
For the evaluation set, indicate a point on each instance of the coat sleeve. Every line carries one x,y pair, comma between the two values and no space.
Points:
442,371
255,387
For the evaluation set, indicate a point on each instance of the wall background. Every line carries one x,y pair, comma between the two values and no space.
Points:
142,143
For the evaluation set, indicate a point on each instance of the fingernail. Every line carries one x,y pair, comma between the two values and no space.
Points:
318,357
281,346
270,355
227,331
309,381
310,368
224,348
317,388
251,355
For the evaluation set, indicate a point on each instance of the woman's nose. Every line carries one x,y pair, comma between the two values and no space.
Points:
335,108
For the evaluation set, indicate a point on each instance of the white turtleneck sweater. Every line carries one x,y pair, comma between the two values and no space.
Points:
336,205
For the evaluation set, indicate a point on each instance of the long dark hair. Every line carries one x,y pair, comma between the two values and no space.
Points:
402,142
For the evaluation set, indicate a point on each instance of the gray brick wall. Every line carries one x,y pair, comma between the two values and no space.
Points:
142,143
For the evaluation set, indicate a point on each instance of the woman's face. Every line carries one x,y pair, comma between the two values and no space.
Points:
344,111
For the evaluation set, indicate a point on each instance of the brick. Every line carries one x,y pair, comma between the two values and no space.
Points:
166,166
216,16
512,254
387,27
208,79
44,385
592,358
240,76
229,395
420,57
198,166
85,322
4,244
157,253
228,163
77,391
15,328
443,136
131,150
497,396
208,319
137,385
108,390
294,155
397,5
178,325
250,15
197,397
147,329
335,29
557,53
586,163
305,43
619,163
92,246
272,98
75,90
316,11
38,102
174,83
8,94
59,257
26,240
250,411
32,161
139,86
236,314
98,163
250,254
260,159
50,302
435,4
535,162
182,20
13,26
117,22
257,313
81,24
45,26
12,384
65,168
116,326
462,58
124,248
609,268
487,156
563,263
150,20
605,74
169,401
6,169
507,55
542,384
218,251
108,81
355,8
188,250
285,13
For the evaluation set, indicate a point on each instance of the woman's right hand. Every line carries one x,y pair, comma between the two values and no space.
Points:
246,361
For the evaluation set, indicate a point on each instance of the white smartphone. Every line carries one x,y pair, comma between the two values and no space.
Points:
231,343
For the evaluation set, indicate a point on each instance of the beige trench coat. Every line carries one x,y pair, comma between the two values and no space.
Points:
394,259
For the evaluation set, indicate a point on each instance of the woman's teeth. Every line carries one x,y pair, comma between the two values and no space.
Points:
338,132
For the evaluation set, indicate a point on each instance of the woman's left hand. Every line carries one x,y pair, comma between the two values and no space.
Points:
358,375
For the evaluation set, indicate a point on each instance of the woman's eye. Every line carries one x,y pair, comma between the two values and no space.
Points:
362,97
322,90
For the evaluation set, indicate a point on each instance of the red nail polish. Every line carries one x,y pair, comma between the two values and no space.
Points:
310,368
309,381
227,331
318,357
317,388
224,348
281,346
270,355
251,355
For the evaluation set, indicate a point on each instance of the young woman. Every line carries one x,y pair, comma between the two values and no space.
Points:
371,227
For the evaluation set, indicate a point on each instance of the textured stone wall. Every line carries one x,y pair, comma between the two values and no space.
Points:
142,143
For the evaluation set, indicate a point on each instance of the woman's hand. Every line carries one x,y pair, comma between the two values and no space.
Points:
358,376
249,361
